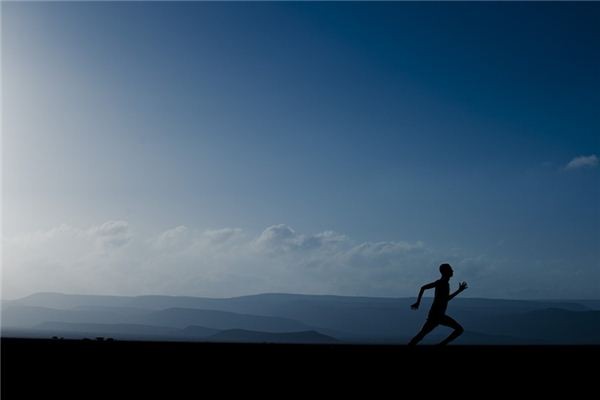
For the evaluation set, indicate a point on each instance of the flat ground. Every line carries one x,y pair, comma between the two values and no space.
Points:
84,368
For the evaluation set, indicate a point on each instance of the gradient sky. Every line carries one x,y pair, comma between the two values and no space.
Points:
221,149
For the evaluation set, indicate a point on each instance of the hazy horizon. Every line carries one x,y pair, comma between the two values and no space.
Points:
227,149
428,296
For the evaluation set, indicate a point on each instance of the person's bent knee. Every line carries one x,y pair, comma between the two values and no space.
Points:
459,329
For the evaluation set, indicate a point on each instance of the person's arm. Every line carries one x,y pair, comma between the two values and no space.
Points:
462,286
423,289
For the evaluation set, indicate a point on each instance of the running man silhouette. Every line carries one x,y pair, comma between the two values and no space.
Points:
437,313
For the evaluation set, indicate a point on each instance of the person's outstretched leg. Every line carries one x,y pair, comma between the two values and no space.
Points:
458,329
428,327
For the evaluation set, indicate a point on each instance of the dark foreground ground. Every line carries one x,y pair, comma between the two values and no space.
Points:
119,369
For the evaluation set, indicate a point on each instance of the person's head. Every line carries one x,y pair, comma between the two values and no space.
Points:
446,270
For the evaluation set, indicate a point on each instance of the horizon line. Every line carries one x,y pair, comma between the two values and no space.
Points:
290,294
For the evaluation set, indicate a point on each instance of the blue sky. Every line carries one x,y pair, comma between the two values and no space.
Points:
421,132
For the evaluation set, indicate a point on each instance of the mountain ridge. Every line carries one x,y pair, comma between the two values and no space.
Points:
345,318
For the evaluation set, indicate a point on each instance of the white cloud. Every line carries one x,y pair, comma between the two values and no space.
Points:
582,162
282,238
111,234
174,238
386,248
277,237
111,258
110,228
220,236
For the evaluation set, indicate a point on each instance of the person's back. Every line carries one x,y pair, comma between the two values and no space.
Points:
441,298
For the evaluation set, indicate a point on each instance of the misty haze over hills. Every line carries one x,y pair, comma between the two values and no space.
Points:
291,318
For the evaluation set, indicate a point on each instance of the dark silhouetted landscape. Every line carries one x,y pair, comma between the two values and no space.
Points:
290,318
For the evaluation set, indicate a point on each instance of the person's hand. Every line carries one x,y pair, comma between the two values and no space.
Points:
415,306
462,286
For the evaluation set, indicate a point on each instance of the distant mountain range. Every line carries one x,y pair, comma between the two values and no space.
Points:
291,318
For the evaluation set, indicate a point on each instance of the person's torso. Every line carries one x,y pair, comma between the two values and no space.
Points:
440,300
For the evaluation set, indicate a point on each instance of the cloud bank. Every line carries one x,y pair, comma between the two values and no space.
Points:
114,258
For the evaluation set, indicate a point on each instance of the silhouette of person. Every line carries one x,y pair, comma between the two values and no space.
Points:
437,313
